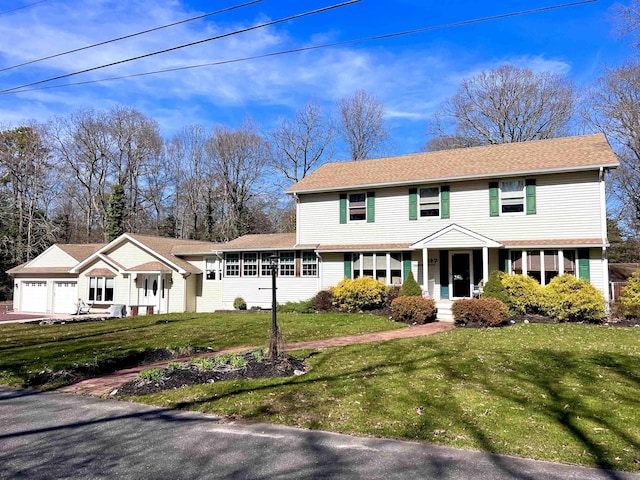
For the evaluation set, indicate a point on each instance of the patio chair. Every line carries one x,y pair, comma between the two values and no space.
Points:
83,308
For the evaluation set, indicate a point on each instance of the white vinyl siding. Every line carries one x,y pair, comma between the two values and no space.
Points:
568,206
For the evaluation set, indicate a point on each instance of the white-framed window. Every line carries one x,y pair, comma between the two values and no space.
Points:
212,269
265,264
101,289
512,196
287,267
429,201
357,206
309,264
232,265
250,264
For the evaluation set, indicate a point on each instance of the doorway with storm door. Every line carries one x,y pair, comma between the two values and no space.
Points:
152,292
461,274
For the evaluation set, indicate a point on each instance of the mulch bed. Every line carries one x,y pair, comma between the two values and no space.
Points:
533,318
191,374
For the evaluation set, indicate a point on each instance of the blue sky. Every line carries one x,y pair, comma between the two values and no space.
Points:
410,75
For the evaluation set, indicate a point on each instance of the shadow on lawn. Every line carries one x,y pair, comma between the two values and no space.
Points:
543,379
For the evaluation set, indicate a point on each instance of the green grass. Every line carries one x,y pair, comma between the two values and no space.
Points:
568,393
26,349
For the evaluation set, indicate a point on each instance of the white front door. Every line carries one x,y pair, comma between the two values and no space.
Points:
153,292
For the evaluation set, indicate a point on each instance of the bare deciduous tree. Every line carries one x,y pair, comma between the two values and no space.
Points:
614,109
505,105
362,124
302,144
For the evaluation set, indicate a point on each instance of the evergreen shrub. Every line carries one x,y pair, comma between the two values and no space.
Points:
631,296
488,312
495,288
524,293
239,303
363,293
323,301
410,288
570,299
413,310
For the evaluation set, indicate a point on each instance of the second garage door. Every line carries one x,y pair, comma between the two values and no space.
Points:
64,297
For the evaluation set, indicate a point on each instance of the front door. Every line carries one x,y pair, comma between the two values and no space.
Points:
461,275
151,291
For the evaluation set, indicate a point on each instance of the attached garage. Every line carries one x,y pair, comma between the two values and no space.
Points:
33,297
65,297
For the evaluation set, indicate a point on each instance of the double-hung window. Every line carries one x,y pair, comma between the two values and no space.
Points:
309,264
101,289
430,202
357,206
250,265
232,265
512,196
265,264
287,264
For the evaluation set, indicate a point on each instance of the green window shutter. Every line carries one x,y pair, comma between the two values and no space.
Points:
444,202
531,196
494,199
406,265
444,274
583,264
371,207
343,208
347,265
413,204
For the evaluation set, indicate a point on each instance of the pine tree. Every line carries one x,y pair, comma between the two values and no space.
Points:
116,213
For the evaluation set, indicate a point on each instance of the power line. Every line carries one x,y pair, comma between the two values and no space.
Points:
217,37
20,8
130,35
313,47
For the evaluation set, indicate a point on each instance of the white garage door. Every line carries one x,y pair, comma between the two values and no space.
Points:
34,297
64,297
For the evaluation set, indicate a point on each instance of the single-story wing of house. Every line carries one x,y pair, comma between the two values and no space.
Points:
450,217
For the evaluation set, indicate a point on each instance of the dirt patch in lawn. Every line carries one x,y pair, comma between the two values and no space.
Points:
233,367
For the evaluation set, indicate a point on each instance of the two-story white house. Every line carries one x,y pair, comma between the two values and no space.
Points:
451,217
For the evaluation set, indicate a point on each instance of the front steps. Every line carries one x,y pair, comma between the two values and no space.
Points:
444,310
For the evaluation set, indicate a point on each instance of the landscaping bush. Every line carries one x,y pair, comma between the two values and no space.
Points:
631,296
570,299
304,306
363,293
393,292
239,303
323,301
413,310
495,288
524,293
410,288
488,312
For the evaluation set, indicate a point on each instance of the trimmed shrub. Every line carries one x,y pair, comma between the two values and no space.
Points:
304,306
413,310
495,288
570,299
524,293
363,293
631,296
393,292
488,312
323,301
239,303
410,288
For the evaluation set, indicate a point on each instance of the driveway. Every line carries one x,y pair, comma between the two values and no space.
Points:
53,435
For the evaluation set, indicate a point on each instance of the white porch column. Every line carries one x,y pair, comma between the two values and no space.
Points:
361,265
160,291
560,262
388,267
542,275
524,262
485,265
425,269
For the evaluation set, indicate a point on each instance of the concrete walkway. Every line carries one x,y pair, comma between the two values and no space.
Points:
104,385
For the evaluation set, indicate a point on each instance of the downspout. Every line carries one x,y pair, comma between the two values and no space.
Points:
605,261
297,200
319,282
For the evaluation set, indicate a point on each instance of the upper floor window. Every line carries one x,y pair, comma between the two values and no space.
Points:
232,263
357,206
512,196
430,202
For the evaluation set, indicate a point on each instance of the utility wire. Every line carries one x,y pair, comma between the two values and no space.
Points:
130,35
20,8
313,47
255,27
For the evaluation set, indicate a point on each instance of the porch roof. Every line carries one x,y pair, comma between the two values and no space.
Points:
364,247
455,236
151,267
557,243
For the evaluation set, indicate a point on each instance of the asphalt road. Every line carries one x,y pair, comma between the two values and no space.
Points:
52,435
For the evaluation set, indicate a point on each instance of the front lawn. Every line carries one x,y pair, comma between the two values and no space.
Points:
568,393
26,349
